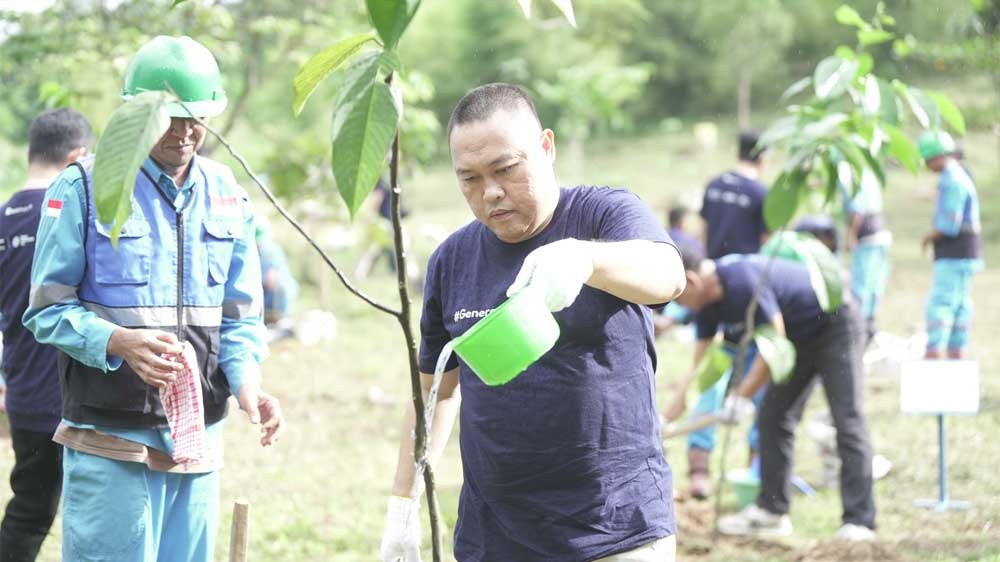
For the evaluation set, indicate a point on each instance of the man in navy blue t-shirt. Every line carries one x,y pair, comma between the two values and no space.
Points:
563,463
34,405
733,206
827,345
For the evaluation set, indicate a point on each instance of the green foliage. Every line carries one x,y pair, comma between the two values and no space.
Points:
390,18
850,126
364,124
322,64
130,134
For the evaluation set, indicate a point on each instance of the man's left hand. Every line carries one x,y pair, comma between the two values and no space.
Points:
558,270
264,409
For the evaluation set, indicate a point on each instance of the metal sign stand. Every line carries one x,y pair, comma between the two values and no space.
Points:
943,502
924,389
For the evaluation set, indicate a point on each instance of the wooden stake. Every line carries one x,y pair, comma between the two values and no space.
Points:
239,535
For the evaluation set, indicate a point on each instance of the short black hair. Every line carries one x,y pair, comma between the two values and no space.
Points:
55,133
691,255
748,146
675,216
479,104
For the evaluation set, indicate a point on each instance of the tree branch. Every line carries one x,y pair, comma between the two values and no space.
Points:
270,196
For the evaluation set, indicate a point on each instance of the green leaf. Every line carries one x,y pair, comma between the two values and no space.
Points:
901,48
566,7
177,3
777,351
922,107
874,168
830,169
845,52
949,111
825,126
782,200
796,88
891,108
847,15
780,130
902,148
872,100
364,126
869,37
832,76
322,64
390,18
525,7
866,62
130,134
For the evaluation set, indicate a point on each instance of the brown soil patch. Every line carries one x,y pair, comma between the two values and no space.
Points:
839,551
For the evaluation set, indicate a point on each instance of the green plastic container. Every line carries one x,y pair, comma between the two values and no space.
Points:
517,333
714,364
745,485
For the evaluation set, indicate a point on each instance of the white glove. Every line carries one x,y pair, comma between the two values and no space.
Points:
558,270
401,538
736,409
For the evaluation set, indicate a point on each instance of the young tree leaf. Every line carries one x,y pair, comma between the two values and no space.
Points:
902,148
177,3
780,130
847,15
923,108
825,126
796,88
525,7
832,76
869,37
782,200
949,111
364,127
130,134
890,107
872,101
316,69
866,62
390,18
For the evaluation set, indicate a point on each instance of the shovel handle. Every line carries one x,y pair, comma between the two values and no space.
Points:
701,422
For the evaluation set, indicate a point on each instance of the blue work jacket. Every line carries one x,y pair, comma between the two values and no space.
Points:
186,262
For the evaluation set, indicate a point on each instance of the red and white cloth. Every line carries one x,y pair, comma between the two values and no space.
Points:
185,408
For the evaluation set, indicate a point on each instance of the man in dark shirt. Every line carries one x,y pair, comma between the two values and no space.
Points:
733,206
562,463
827,345
57,138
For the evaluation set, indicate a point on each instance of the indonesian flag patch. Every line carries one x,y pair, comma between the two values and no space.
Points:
54,208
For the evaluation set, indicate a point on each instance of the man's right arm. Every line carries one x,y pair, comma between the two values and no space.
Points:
55,315
448,400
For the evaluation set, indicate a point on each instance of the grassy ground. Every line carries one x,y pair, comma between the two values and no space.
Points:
320,494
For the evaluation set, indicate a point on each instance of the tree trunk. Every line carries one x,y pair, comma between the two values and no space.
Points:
743,97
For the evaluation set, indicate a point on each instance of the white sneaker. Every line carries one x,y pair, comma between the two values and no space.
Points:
854,533
754,521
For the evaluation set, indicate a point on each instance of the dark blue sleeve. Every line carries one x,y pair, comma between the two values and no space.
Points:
623,216
707,323
433,334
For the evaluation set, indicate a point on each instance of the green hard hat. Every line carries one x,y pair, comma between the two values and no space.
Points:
186,66
935,142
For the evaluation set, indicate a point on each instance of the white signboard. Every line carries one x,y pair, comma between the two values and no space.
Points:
939,387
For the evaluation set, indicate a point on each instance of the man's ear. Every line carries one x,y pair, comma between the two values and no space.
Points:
76,154
549,144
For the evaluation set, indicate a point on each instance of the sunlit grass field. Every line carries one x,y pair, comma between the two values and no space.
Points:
320,493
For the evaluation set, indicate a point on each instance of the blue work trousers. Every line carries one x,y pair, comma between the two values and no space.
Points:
949,306
869,272
117,511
